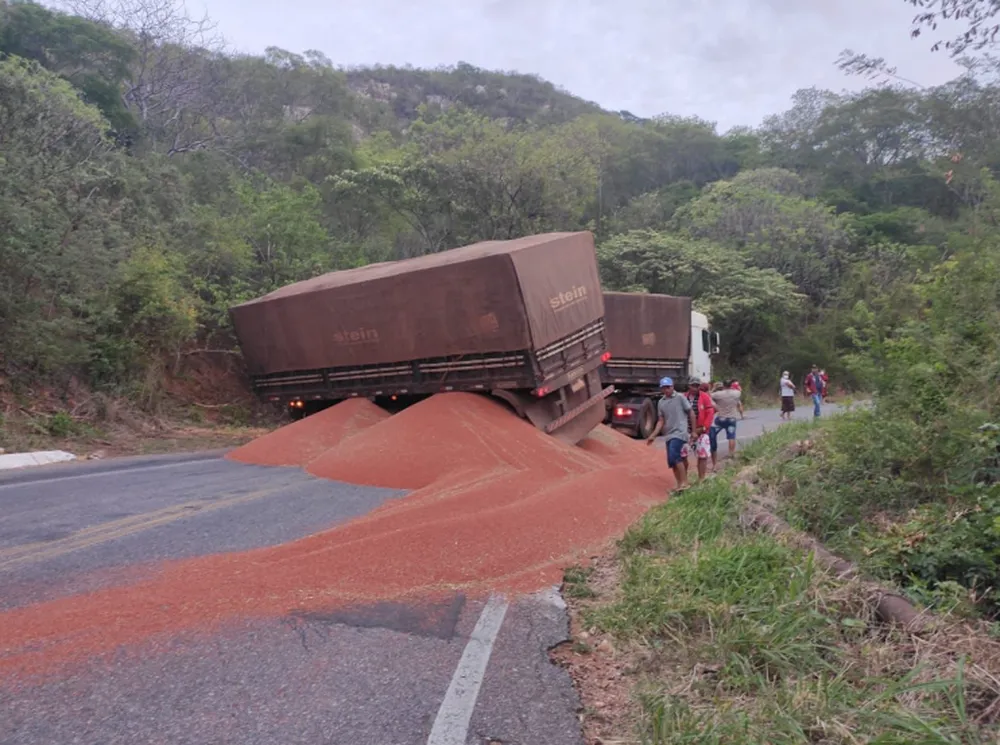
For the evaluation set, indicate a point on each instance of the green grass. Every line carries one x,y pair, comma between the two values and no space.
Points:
752,643
575,583
916,505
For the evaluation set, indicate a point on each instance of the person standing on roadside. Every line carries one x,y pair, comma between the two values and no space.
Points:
826,384
728,403
815,388
787,396
704,416
676,419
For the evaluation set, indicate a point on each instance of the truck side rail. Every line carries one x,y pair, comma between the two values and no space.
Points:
523,369
432,375
641,371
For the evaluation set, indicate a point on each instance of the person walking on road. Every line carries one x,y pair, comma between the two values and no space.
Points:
728,404
676,419
816,389
787,396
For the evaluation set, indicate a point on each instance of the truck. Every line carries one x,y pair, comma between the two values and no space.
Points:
651,337
522,320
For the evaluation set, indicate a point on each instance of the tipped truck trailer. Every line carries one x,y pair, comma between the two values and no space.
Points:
651,337
520,319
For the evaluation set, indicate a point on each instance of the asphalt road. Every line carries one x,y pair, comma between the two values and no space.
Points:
458,672
759,421
385,674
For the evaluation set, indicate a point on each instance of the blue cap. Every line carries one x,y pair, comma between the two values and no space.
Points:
664,382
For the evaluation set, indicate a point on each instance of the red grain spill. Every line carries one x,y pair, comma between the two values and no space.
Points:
444,434
298,443
497,506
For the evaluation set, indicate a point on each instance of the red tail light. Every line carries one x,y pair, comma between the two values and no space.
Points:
541,392
606,356
623,411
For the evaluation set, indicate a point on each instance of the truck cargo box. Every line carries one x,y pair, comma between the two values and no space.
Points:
522,319
649,336
497,296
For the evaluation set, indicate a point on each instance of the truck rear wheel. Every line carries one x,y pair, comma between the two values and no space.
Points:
647,419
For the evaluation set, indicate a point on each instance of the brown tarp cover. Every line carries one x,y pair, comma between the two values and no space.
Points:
652,327
497,296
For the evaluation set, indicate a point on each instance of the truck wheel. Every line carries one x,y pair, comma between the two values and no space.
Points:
647,419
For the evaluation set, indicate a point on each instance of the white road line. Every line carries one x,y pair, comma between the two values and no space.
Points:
451,727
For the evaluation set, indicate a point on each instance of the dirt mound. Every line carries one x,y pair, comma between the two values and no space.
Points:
299,443
498,506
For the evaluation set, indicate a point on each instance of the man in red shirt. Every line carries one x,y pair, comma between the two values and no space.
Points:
704,409
815,387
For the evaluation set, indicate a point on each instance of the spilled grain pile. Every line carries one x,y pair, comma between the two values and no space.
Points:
300,442
497,506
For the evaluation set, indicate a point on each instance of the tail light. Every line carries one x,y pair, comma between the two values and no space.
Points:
295,404
623,411
606,356
540,392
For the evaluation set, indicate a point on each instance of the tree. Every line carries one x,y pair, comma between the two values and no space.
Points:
282,227
976,15
751,306
57,252
175,78
412,191
89,55
491,172
797,237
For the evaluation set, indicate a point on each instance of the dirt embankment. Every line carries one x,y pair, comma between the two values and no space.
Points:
201,401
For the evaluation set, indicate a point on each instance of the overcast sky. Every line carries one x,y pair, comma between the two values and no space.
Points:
729,61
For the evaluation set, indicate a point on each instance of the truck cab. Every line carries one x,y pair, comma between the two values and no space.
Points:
704,343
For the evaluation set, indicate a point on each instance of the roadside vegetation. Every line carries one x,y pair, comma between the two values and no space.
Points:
910,488
732,636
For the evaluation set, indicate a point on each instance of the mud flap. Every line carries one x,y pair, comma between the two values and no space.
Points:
567,414
572,429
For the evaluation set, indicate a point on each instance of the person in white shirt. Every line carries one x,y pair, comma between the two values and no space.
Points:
787,396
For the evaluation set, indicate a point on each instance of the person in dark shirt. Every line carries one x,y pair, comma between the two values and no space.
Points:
815,388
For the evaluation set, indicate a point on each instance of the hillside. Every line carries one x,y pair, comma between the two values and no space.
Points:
151,180
497,95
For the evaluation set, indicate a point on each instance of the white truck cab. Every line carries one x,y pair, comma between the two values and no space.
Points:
704,343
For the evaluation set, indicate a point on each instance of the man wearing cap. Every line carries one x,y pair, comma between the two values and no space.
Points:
676,420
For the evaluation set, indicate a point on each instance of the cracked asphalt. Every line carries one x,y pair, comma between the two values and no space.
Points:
369,674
